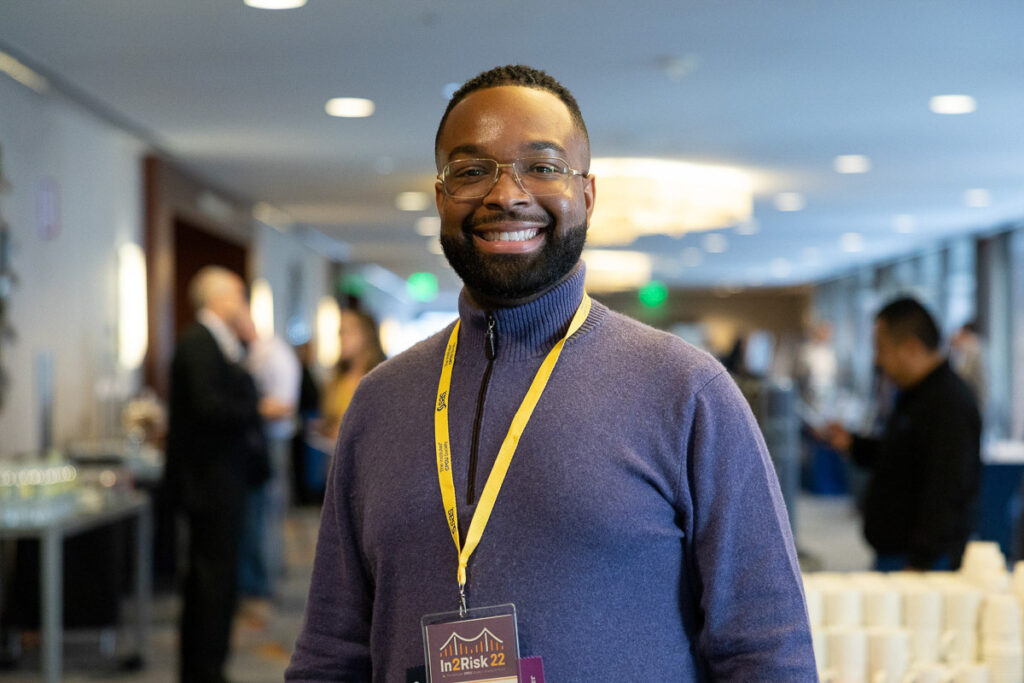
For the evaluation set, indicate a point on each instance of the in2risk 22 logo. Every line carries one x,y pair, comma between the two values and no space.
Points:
484,651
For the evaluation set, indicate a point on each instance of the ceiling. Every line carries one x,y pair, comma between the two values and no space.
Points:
774,87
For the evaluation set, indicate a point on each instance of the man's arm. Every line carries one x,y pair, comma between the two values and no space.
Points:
334,644
755,624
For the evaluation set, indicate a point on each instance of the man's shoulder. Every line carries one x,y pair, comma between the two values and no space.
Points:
656,351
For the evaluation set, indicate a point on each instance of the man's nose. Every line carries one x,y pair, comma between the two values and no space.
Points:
507,189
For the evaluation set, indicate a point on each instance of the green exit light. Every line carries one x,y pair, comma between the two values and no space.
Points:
653,294
421,286
353,284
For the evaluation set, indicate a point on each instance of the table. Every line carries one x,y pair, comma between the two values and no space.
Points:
97,509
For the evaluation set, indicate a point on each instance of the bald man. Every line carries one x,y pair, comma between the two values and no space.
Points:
214,440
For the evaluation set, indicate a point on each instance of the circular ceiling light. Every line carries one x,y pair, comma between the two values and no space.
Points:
715,243
851,242
789,201
350,107
428,226
904,223
412,201
977,198
274,4
852,163
952,104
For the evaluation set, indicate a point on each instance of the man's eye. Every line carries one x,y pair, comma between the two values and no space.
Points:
468,172
544,168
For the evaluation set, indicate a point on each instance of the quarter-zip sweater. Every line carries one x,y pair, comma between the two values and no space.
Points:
640,531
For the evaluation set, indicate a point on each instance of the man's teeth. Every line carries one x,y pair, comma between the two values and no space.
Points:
518,236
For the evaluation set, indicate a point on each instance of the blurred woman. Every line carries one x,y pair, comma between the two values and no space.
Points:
360,352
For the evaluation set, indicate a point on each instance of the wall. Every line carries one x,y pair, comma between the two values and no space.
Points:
298,277
65,301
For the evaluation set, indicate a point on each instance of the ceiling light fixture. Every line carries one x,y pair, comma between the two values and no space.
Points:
274,4
350,107
22,74
751,226
611,270
789,201
852,163
412,201
904,223
977,198
952,104
851,242
715,243
645,196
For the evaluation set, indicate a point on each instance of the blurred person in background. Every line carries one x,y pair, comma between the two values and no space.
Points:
214,449
967,356
275,368
361,351
309,413
921,498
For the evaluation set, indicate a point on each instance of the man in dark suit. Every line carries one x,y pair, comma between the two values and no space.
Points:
214,451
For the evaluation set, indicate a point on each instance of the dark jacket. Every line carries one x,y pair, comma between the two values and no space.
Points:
921,500
214,439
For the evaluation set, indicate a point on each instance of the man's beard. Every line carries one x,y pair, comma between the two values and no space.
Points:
512,277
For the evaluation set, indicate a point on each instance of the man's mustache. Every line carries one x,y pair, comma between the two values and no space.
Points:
505,217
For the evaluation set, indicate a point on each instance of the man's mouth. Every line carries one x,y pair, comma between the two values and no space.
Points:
516,236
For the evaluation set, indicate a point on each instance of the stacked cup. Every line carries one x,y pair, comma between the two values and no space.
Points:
845,641
985,566
922,615
960,606
970,673
888,654
1017,583
1002,649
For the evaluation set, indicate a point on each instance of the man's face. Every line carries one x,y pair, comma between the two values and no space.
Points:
509,245
890,354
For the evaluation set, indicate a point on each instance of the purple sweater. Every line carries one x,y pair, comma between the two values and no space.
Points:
640,531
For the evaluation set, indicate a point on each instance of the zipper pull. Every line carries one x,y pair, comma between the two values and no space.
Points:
492,337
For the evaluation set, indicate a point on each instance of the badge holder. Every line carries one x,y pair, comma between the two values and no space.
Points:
481,646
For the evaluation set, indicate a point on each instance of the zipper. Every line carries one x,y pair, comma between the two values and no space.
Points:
491,348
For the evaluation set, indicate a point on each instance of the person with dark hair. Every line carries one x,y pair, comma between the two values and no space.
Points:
360,352
967,356
605,478
921,499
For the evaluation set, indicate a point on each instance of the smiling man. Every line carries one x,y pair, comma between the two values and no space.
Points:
546,479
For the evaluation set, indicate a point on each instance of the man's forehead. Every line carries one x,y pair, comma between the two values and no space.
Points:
526,118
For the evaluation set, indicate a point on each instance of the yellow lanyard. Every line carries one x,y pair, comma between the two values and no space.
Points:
508,447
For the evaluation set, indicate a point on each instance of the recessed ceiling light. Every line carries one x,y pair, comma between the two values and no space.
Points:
904,223
852,163
751,226
952,104
851,242
715,243
350,107
692,257
428,226
977,198
274,4
434,247
789,201
412,201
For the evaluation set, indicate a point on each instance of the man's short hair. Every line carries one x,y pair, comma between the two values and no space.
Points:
515,74
905,318
208,283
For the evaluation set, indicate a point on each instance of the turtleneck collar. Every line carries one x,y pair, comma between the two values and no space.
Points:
531,329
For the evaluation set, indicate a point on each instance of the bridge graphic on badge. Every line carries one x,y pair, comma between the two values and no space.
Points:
485,641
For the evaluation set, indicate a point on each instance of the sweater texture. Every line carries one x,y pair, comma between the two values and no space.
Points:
640,530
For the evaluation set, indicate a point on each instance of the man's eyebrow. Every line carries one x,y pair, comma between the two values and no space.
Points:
546,145
464,149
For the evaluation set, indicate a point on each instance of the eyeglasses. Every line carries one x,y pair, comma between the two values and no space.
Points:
474,178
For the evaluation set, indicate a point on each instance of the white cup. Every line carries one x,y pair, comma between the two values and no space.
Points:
925,645
970,673
882,607
922,607
843,606
847,655
820,647
959,646
888,654
1001,616
927,673
961,607
815,605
